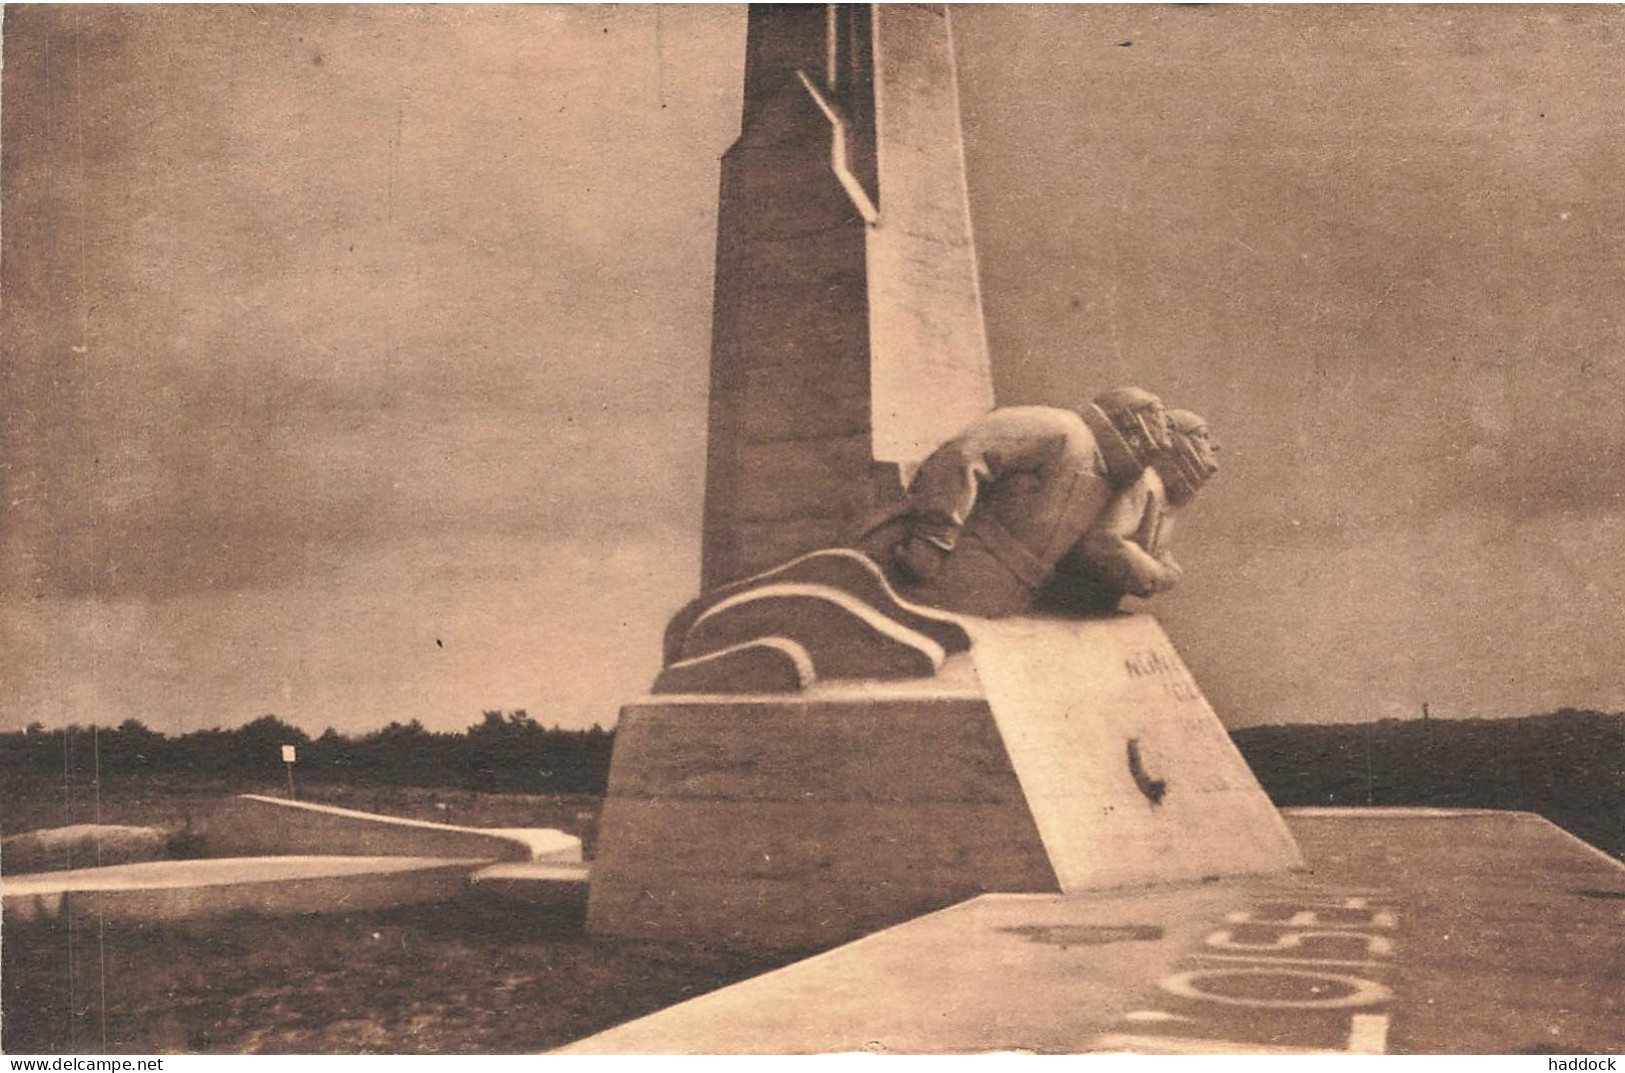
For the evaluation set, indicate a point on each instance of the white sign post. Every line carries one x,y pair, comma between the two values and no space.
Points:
288,757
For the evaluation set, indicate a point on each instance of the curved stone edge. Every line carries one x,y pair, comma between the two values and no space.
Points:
250,825
844,569
768,665
865,644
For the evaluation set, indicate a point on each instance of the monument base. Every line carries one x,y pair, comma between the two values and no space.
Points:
1058,755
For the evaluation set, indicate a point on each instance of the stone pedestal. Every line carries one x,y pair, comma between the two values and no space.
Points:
1058,755
1129,774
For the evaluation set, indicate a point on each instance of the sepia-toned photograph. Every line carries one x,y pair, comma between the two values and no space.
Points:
801,529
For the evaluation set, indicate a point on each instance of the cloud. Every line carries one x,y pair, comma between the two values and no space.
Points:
1481,617
319,301
423,629
328,328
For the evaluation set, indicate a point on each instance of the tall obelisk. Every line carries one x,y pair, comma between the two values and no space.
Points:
848,338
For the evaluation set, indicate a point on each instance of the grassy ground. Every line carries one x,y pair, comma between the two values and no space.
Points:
475,976
468,977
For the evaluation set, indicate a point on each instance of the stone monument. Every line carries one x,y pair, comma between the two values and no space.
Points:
847,337
823,756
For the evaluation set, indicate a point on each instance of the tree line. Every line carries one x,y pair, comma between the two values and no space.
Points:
506,752
1568,765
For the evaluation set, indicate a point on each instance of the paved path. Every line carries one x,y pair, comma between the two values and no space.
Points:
1411,931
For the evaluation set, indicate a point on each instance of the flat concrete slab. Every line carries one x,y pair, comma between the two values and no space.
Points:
181,890
532,882
1410,931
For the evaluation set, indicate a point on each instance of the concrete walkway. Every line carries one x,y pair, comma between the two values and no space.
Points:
1411,931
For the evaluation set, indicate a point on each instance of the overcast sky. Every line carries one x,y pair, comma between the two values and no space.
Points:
356,357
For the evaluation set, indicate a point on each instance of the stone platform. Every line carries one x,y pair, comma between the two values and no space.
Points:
279,857
1410,932
1057,755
